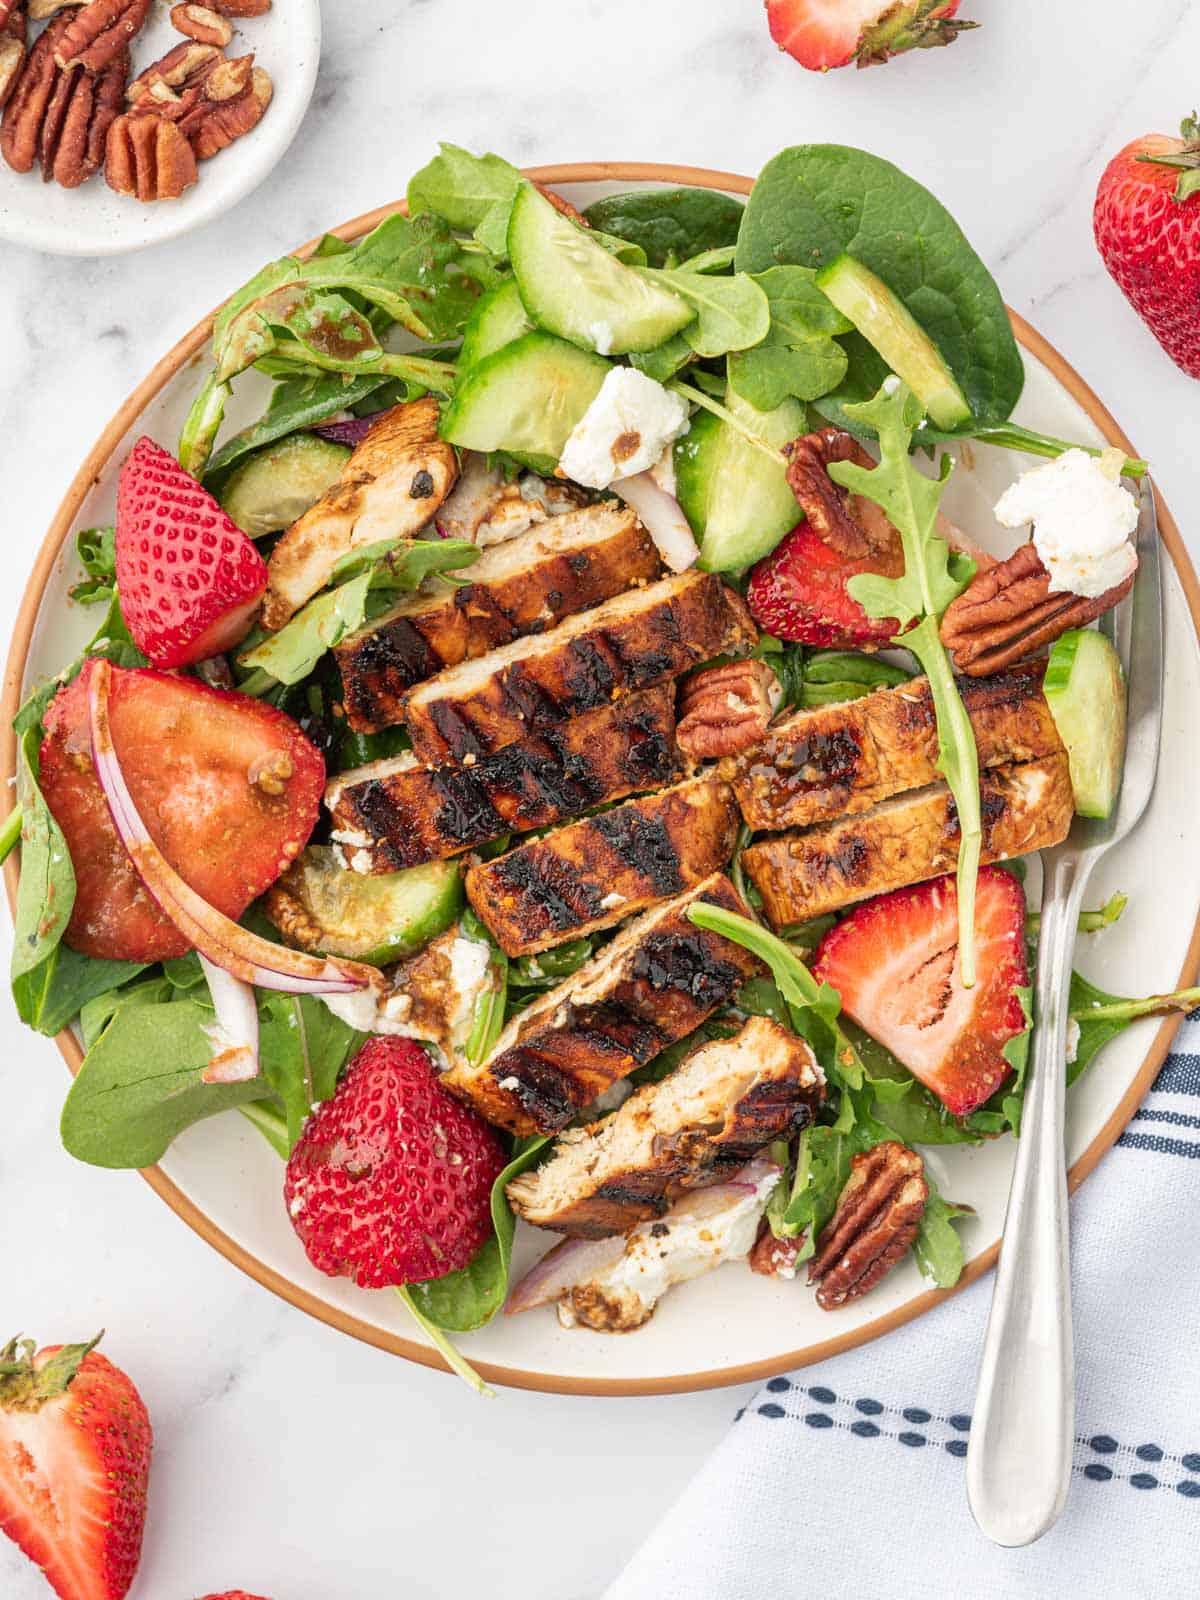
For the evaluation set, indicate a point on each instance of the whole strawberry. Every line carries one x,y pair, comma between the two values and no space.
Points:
832,33
391,1180
233,1594
189,579
1147,226
74,1459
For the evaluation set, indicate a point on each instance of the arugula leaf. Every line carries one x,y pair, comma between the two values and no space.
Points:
799,355
937,1249
475,192
1102,1017
813,202
97,552
731,313
671,225
46,891
469,1298
932,579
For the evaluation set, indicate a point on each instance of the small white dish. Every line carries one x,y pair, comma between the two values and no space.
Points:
94,221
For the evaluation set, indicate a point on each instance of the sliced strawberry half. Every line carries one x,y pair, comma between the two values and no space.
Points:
798,592
832,33
229,788
189,579
894,961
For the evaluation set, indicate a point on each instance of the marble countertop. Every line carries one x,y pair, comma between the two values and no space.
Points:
291,1461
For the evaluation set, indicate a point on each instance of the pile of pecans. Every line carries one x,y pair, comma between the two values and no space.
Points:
70,106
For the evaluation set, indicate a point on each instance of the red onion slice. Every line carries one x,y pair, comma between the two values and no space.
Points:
234,949
663,519
351,431
234,1035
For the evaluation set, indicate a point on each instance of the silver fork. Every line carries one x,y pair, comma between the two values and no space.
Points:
1022,1433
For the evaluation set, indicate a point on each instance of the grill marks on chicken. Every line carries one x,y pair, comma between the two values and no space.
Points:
389,489
517,588
396,813
906,839
844,758
723,1103
599,870
657,980
630,642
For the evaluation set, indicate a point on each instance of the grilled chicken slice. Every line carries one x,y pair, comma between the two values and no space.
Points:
613,1285
397,813
907,839
485,507
389,489
523,586
637,639
657,980
824,763
599,870
719,1107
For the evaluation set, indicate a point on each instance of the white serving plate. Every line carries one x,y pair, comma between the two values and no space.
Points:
94,221
223,1180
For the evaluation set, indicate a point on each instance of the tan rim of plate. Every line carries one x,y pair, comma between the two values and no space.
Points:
57,535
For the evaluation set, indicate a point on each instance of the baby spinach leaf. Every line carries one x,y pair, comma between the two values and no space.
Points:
470,1298
663,364
296,403
671,225
111,640
813,202
303,1048
469,192
937,1249
141,1084
799,355
98,1012
46,891
68,982
731,313
293,652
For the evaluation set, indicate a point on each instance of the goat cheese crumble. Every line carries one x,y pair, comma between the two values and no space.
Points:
1082,520
624,431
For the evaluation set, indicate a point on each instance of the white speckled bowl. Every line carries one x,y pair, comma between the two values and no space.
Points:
94,221
221,1178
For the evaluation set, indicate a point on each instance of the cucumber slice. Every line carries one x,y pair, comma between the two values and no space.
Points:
736,498
525,399
498,319
886,322
574,287
327,908
279,483
1085,690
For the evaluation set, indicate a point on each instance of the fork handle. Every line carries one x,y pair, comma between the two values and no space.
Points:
1022,1432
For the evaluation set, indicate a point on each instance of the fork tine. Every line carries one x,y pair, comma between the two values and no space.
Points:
1138,625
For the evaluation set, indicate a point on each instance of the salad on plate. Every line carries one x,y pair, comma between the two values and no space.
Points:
559,766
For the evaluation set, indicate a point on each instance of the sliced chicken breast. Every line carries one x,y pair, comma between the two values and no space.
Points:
524,586
824,763
600,870
397,813
389,489
721,1105
907,839
637,639
656,981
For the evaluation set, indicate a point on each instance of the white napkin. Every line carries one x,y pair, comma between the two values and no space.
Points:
847,1478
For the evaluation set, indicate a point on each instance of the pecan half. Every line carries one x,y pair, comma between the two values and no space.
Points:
212,126
21,130
1008,614
230,80
878,1213
12,47
775,1258
724,710
149,158
181,67
99,31
202,24
848,523
82,108
241,8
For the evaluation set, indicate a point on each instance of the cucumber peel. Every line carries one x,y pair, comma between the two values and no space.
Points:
1085,690
735,496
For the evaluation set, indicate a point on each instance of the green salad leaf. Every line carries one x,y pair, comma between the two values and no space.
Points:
932,578
814,202
293,652
671,225
937,1249
97,552
303,1048
799,355
732,313
45,893
295,403
472,193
